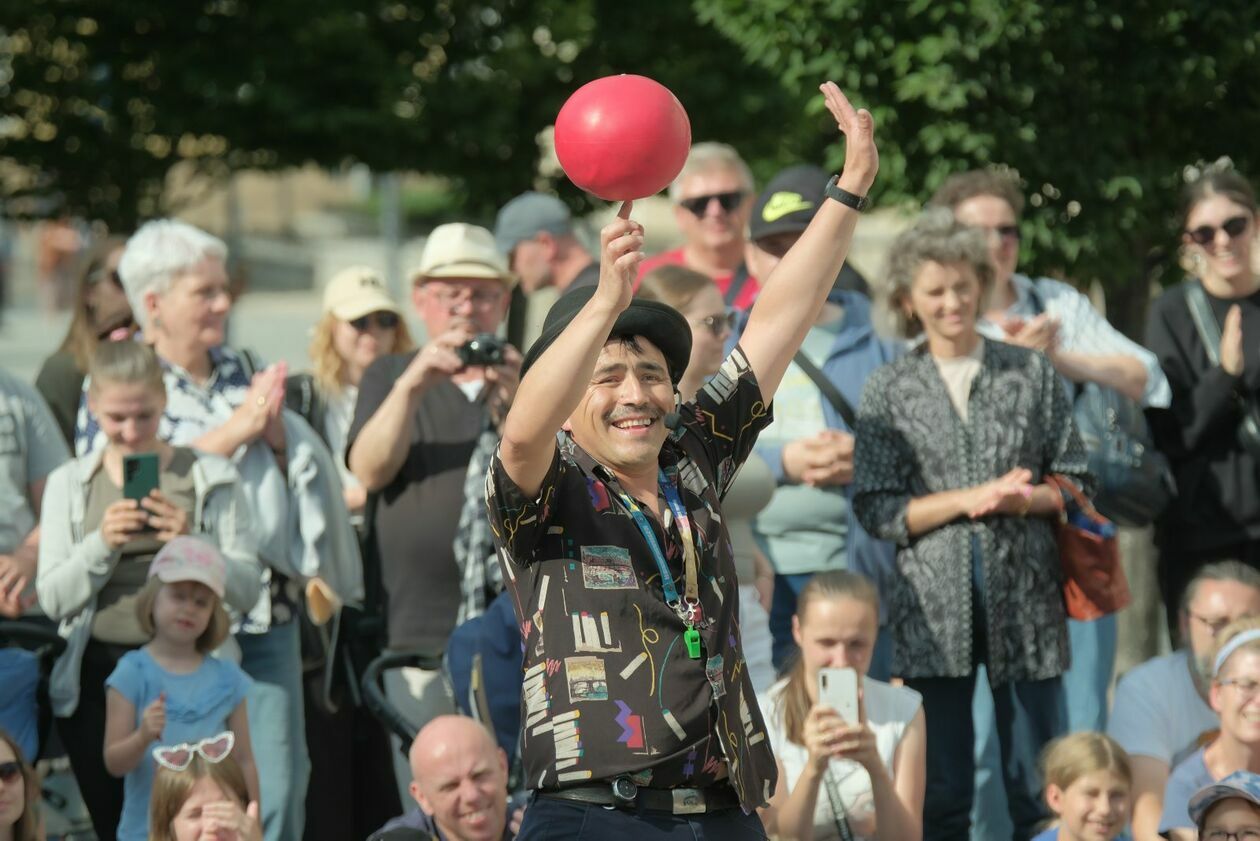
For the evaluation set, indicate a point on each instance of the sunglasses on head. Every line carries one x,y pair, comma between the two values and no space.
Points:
10,771
720,323
179,757
1233,228
727,201
384,320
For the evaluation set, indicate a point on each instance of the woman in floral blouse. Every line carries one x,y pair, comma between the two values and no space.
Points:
953,442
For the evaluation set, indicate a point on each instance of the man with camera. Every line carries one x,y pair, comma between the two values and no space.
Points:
416,425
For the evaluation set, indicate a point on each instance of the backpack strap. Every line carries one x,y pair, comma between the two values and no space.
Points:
828,389
738,281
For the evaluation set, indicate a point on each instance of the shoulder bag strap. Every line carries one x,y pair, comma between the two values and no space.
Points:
828,388
1205,323
837,807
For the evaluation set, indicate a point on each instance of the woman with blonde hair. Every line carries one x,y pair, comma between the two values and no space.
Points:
844,779
19,794
1235,695
359,324
1089,785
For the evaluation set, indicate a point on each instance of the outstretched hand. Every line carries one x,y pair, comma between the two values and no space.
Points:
861,157
620,252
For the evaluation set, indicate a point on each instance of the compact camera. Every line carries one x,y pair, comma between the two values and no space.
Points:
482,349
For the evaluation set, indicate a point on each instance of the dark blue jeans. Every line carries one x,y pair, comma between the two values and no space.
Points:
547,819
783,605
1028,714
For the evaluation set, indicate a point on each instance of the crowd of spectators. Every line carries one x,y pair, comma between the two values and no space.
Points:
895,517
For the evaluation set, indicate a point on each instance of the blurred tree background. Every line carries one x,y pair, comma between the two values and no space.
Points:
1098,104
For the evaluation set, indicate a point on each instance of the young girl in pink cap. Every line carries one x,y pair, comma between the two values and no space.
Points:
170,690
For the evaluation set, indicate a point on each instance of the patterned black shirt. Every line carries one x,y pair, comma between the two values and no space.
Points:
609,688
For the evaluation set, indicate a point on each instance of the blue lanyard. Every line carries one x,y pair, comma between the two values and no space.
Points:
686,610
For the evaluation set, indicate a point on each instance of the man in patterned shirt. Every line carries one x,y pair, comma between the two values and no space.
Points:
635,692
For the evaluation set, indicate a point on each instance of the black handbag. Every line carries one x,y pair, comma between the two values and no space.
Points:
1134,481
1210,335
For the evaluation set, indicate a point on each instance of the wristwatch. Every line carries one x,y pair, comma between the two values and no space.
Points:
624,790
833,191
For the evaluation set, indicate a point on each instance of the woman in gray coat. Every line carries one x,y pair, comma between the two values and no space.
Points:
953,443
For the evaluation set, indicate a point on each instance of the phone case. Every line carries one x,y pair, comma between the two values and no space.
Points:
140,475
838,689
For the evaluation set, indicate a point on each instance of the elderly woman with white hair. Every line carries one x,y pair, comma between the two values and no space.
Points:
954,444
221,401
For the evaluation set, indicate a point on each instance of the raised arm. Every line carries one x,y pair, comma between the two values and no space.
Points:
794,293
555,383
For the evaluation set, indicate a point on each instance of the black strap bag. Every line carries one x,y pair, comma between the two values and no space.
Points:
1134,481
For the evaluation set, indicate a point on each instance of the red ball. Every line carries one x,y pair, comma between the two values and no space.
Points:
622,137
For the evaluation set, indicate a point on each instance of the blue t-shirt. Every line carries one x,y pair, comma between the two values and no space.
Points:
197,706
1187,778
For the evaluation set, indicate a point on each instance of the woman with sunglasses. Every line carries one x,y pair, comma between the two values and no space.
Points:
19,792
696,296
1216,515
101,311
360,323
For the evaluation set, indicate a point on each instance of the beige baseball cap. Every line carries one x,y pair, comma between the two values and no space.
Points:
190,559
355,292
460,250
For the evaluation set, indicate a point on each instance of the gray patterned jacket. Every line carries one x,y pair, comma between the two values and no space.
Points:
911,443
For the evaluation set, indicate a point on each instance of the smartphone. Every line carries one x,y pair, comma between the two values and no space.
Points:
140,475
838,689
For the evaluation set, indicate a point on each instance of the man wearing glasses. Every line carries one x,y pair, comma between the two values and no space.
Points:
416,425
712,196
1161,708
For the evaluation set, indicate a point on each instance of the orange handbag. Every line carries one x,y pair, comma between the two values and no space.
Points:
1094,583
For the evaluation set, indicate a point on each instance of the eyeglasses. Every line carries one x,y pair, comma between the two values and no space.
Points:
1250,833
178,757
1214,625
1233,228
9,772
727,201
1246,687
718,324
383,320
451,298
100,274
1002,232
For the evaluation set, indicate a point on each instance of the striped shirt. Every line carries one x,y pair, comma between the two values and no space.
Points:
1082,329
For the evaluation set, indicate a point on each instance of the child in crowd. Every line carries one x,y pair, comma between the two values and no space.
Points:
169,689
1228,810
19,792
96,546
199,792
1088,785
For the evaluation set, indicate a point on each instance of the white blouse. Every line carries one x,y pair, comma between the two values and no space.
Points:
889,711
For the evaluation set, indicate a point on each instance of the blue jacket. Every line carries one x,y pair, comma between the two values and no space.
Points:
856,352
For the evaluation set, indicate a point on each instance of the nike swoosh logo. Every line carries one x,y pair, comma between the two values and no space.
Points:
781,204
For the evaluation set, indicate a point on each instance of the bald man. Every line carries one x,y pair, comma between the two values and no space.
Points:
459,779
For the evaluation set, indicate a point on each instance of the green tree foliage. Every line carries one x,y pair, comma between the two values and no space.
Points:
1098,104
103,97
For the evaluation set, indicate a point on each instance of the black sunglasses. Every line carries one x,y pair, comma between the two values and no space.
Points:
727,201
10,771
1233,228
718,324
384,320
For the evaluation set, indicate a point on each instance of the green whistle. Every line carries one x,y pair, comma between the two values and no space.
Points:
692,638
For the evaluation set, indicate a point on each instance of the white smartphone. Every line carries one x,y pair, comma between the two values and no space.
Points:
838,689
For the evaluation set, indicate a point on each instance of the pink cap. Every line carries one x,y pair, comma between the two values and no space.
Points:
190,559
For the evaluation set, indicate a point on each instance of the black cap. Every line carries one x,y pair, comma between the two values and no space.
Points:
660,324
788,202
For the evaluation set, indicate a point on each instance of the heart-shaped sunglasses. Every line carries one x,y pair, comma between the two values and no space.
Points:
179,757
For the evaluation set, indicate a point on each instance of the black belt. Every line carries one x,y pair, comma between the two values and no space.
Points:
624,794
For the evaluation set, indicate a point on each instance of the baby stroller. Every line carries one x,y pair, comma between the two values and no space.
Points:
28,649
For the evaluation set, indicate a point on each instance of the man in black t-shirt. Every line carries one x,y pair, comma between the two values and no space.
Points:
416,424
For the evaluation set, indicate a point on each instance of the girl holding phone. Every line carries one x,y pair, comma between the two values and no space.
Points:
841,779
96,546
